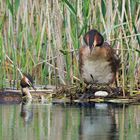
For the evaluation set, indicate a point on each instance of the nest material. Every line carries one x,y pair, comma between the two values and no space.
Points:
75,92
72,93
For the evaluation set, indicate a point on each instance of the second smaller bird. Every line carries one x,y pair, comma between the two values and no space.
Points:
25,83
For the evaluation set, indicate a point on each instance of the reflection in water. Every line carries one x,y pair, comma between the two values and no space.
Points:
70,122
26,112
98,123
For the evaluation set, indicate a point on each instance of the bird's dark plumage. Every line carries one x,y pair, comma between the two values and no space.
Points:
26,81
93,37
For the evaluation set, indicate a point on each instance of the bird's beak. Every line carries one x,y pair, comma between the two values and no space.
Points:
33,86
30,84
95,43
92,46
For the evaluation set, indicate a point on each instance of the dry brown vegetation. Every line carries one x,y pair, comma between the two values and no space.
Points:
43,38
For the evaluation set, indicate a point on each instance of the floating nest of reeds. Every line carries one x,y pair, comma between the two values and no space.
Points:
73,93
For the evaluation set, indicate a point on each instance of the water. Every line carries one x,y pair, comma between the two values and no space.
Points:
70,122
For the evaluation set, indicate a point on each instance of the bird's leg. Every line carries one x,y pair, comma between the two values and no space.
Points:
92,85
86,91
116,83
92,77
116,88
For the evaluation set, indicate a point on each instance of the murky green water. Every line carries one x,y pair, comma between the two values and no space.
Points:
70,122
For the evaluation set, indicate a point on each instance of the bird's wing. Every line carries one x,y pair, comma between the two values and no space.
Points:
113,58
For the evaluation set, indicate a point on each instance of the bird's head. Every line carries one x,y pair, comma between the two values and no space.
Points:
27,81
93,38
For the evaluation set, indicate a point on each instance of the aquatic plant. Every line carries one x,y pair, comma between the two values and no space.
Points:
43,38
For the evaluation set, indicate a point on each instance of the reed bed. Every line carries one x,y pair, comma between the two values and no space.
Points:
42,37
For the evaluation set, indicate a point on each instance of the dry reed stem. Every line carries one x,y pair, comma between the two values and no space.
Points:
60,25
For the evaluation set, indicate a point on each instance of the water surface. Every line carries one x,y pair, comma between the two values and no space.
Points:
97,121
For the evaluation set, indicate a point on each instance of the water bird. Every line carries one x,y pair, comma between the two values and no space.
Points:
25,83
98,62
